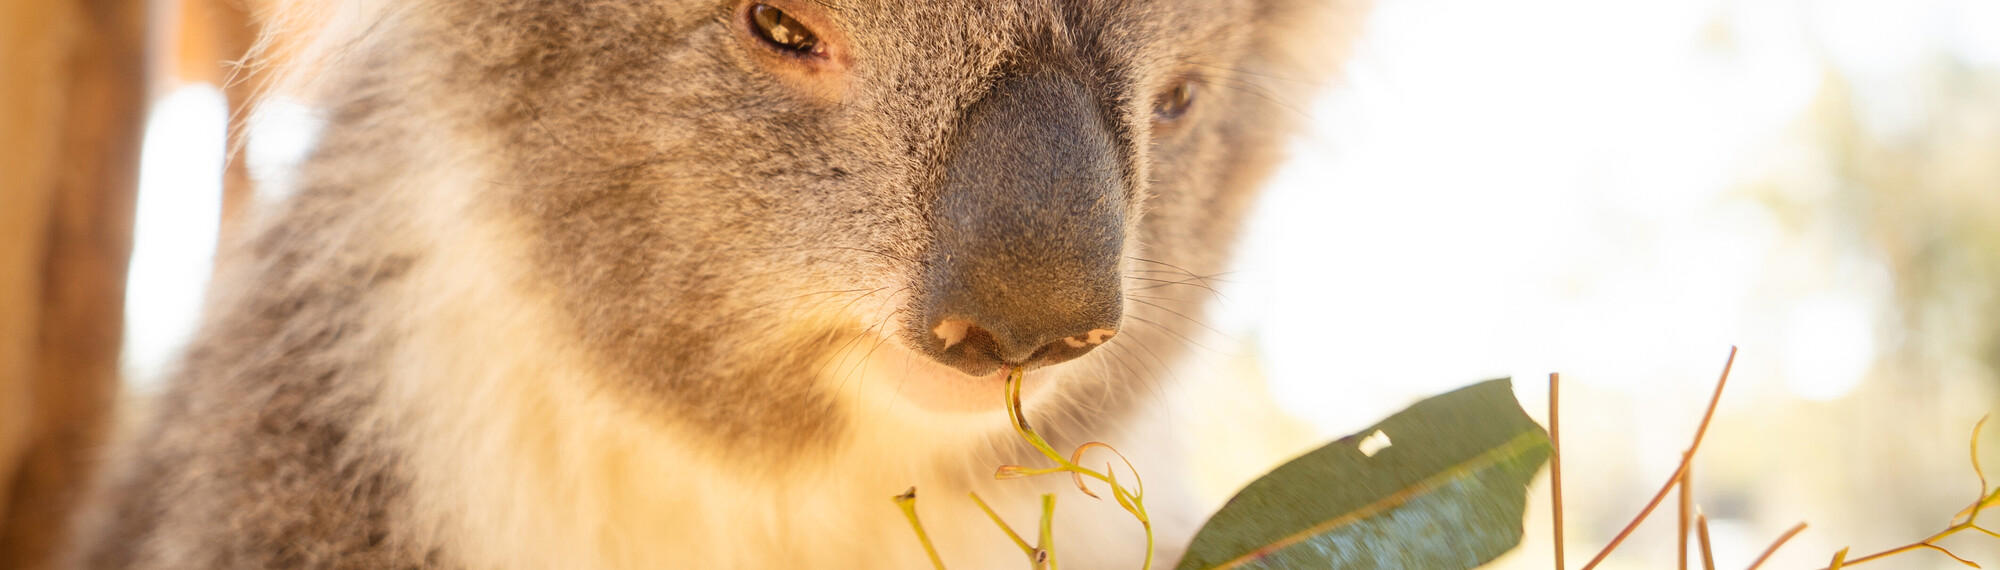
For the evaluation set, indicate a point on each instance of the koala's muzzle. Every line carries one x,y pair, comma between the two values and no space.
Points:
1029,227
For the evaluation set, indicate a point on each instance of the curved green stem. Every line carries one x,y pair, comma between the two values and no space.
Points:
1132,502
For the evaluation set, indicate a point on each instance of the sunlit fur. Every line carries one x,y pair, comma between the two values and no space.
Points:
585,284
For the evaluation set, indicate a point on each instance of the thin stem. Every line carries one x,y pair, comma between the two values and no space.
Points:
1011,535
1977,470
908,502
1971,513
1928,542
1047,546
1149,543
1942,550
1887,553
1555,461
1686,493
1674,481
1774,546
1133,503
1987,502
1701,531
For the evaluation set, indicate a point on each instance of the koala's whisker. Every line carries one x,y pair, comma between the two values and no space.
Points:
1164,298
864,332
1188,281
1126,357
870,331
850,303
817,293
803,247
1248,73
864,294
1160,363
862,364
870,251
840,353
1165,283
1183,272
1157,262
1264,93
1171,331
1117,358
1171,268
1204,278
1234,79
1174,268
1120,358
1183,316
1166,368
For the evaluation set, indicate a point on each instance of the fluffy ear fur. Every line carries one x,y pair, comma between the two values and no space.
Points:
1299,50
298,39
1309,39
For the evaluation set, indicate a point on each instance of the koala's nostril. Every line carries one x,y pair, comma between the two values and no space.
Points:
1070,347
951,331
1093,338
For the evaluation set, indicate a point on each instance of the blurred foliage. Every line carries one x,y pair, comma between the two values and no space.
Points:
1924,195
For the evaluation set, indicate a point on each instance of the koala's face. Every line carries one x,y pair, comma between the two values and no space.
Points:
729,196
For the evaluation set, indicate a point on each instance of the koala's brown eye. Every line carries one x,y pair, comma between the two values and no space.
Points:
783,32
1174,102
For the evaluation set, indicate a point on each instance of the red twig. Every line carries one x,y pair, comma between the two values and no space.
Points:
1674,481
1555,460
1687,504
1701,531
1774,546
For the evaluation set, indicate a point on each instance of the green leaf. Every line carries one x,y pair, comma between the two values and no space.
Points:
1448,492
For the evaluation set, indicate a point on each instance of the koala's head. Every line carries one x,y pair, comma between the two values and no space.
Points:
727,196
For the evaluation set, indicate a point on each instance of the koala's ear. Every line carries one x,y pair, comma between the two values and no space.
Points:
1307,40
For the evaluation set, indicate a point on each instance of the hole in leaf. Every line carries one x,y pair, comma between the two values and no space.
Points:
1374,443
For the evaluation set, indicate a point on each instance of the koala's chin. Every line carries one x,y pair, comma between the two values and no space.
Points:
895,373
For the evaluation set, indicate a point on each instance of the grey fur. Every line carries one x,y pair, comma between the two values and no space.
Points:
680,197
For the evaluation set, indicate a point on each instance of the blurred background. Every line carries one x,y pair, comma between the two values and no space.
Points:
1619,191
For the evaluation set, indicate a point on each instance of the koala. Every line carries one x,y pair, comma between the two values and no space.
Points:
704,283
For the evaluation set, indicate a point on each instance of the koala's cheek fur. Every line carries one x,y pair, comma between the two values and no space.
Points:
585,284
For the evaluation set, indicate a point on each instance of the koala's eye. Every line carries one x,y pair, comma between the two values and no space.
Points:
783,32
1173,103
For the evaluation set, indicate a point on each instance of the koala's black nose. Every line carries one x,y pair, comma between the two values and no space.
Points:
1029,226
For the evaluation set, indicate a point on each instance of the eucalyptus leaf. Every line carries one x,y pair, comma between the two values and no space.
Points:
1448,491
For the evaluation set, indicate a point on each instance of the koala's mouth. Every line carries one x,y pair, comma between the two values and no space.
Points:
894,372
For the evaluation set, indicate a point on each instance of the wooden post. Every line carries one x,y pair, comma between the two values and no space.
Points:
72,111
